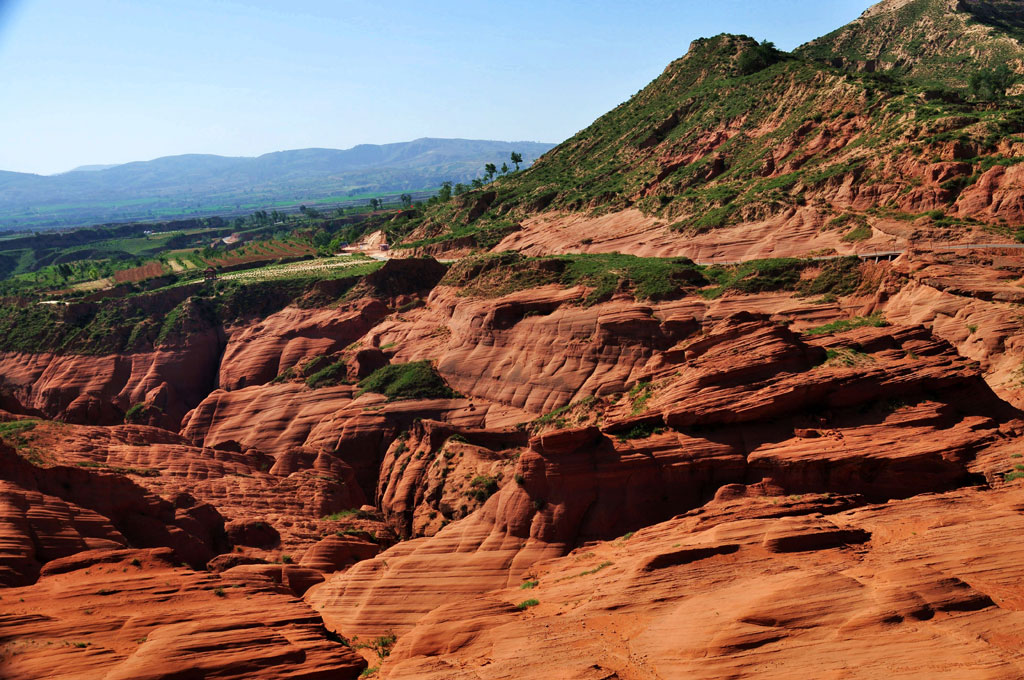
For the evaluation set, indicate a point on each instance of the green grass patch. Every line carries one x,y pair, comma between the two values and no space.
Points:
596,569
103,467
353,513
482,487
415,380
858,233
756,276
846,357
17,427
647,278
640,431
334,374
639,395
876,320
558,416
526,604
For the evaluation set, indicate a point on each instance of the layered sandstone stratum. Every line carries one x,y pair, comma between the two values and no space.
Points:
564,461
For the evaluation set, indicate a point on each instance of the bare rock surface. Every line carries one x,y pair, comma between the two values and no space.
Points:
769,586
810,420
133,614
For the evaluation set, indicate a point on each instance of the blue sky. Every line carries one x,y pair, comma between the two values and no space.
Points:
111,81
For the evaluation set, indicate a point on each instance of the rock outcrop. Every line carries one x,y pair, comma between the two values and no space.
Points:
131,614
54,512
768,585
849,413
101,389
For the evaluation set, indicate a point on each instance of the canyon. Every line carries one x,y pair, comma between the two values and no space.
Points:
568,429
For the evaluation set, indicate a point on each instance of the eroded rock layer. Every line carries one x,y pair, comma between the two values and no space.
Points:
133,614
880,412
770,586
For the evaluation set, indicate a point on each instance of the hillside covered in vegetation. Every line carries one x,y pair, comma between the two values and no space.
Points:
737,132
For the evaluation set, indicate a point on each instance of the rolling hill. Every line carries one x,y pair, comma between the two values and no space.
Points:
196,184
738,150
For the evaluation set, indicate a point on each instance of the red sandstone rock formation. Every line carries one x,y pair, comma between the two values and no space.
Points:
884,426
770,586
54,512
100,389
131,614
273,505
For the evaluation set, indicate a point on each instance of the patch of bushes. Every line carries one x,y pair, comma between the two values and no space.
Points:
759,57
846,357
649,278
876,320
103,467
482,487
414,380
140,413
841,276
382,645
333,374
526,604
858,233
756,276
284,376
640,431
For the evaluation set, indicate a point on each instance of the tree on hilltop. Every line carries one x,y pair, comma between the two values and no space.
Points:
517,158
758,57
446,191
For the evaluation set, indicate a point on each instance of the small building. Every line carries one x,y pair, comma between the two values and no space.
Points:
210,274
383,246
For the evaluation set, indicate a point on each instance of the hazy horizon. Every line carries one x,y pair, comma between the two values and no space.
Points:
267,153
112,81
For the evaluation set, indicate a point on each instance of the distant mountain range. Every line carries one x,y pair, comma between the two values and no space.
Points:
199,184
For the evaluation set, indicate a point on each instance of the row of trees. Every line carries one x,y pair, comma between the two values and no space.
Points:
449,189
404,199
